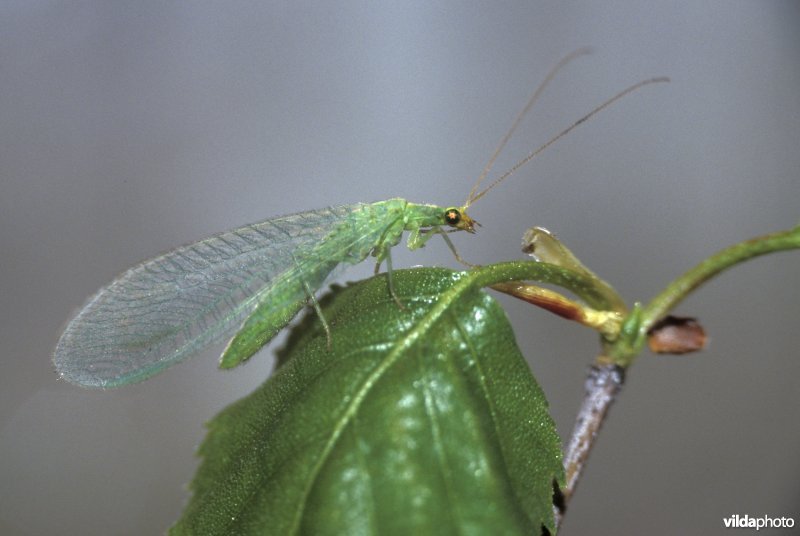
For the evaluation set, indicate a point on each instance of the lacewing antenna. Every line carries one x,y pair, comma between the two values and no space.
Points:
533,154
564,61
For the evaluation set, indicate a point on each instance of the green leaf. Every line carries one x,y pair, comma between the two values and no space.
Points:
421,420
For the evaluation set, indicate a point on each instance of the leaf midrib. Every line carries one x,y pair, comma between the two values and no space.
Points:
424,325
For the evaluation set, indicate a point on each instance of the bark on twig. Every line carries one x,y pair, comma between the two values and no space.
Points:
602,387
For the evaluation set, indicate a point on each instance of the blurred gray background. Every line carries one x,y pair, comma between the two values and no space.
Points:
128,128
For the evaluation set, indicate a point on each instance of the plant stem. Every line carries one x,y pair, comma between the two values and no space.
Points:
606,377
602,387
623,351
728,257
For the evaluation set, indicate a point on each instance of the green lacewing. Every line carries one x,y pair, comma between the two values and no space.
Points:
253,279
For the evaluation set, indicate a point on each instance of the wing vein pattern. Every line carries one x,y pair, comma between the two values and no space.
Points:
174,305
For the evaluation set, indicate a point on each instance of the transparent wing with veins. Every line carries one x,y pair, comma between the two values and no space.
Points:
174,305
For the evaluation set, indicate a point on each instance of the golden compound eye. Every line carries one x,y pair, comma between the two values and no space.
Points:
452,216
